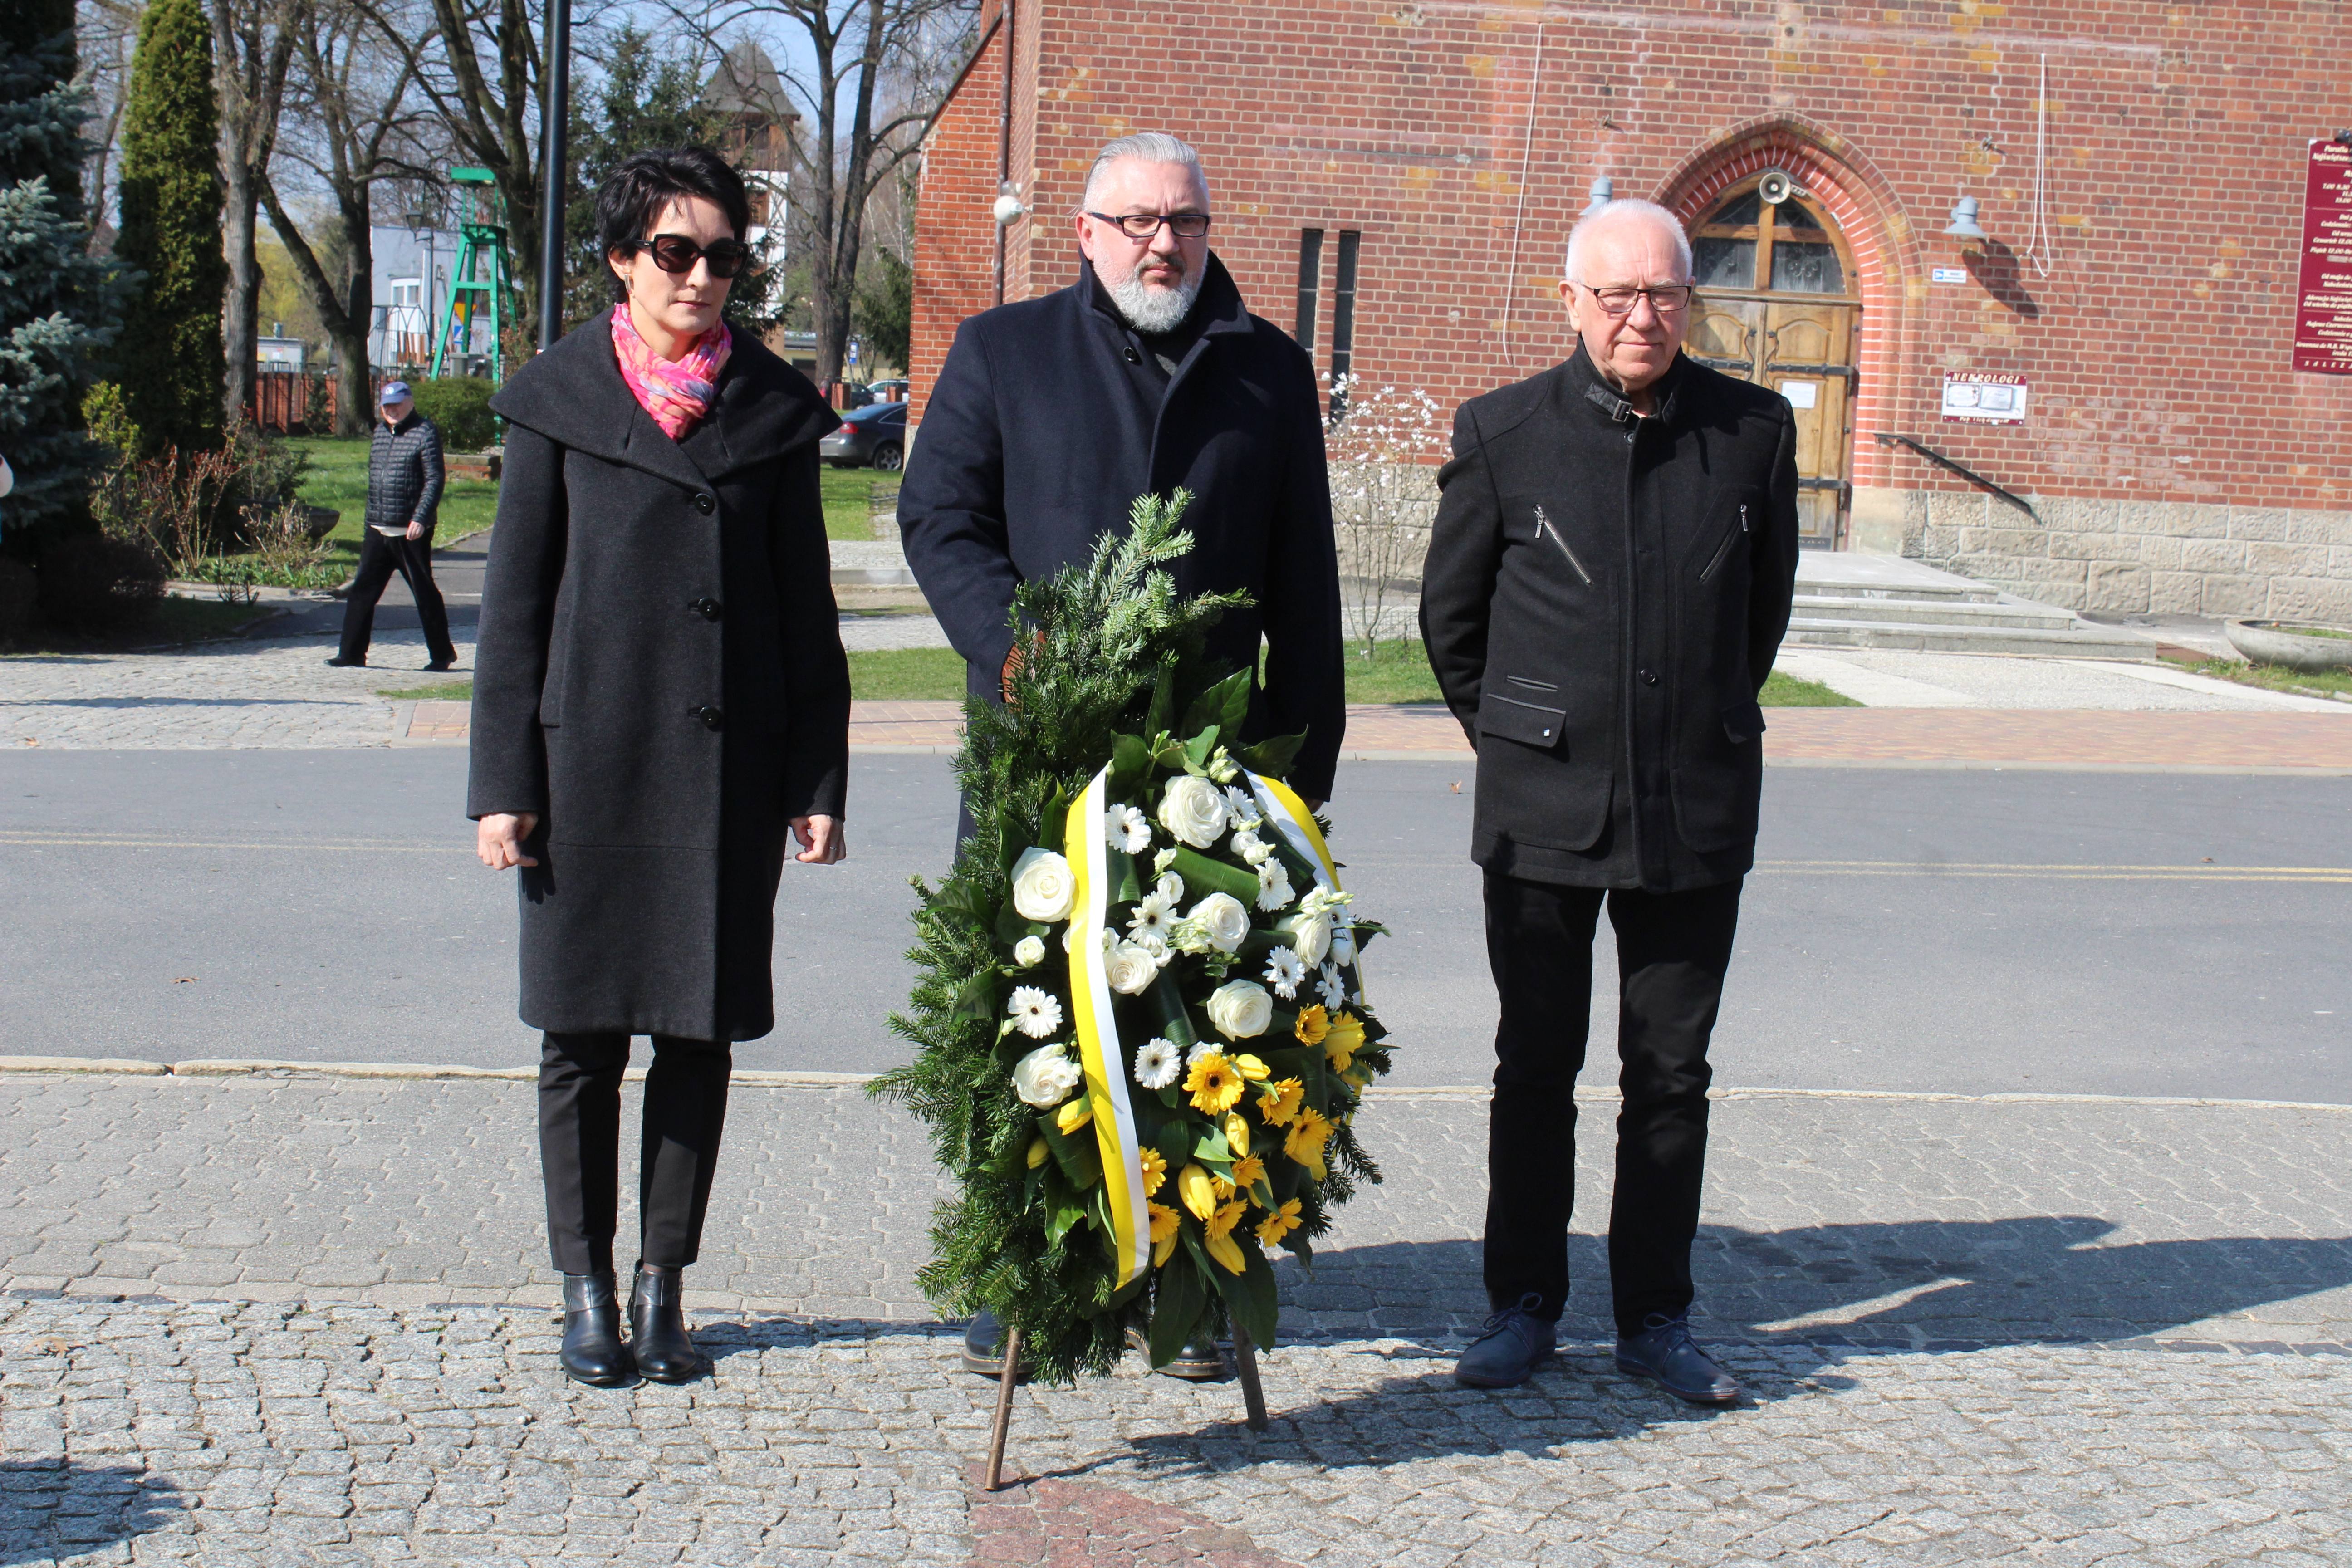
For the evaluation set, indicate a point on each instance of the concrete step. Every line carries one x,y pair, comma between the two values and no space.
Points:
2080,640
1935,612
1848,575
870,563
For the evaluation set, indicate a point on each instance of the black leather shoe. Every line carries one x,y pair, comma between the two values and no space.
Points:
340,663
658,1335
441,666
1664,1352
982,1340
1506,1354
1199,1361
593,1352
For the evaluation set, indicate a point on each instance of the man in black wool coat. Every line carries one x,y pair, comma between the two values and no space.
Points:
1608,582
1052,415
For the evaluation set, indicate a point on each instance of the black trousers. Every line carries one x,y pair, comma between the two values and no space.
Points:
379,556
580,1146
1672,951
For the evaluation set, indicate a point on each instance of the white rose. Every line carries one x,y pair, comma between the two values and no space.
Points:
1044,887
1193,810
1029,952
1130,968
1310,936
1221,920
1169,887
1250,847
1044,1077
1239,1008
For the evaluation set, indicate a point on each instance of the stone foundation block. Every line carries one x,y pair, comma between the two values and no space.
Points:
2213,556
2227,594
2312,599
2119,586
2329,528
2176,593
2260,522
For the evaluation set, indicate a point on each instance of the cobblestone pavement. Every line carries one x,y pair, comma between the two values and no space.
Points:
1975,1331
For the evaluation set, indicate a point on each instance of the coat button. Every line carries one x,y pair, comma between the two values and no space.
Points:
706,608
711,718
1132,357
704,504
1648,677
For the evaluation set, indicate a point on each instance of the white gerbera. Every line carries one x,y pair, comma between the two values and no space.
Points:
1284,971
1036,1013
1127,829
1151,918
1274,890
1242,807
1157,1063
1334,993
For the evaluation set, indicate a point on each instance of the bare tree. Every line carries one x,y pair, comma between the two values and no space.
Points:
866,79
253,44
354,100
106,30
1383,453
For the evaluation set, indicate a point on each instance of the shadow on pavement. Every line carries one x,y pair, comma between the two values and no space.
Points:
55,1508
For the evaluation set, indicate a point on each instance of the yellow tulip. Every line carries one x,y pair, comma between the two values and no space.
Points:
1238,1137
1228,1251
1038,1152
1251,1068
1073,1115
1345,1038
1196,1192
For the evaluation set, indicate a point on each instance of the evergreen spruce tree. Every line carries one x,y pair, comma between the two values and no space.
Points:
171,231
59,305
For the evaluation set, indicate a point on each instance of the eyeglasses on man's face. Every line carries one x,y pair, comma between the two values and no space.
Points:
1667,298
1143,226
675,253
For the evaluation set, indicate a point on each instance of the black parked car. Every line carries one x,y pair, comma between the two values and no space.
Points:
875,436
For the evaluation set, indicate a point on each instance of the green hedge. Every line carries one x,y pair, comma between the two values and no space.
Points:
460,405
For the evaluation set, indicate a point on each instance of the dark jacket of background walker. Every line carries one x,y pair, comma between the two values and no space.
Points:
1602,601
660,675
1045,426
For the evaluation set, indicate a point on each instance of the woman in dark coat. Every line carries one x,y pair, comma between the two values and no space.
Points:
660,694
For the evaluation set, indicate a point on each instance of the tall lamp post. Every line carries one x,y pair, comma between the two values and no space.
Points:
555,119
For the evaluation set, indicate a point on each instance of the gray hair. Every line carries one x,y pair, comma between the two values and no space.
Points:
1152,147
1628,207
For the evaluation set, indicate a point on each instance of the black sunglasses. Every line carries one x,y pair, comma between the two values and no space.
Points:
675,253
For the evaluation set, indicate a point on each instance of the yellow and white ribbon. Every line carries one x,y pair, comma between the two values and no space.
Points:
1096,1028
1289,814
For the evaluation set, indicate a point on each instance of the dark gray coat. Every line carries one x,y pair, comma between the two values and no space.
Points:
1602,601
1050,417
660,677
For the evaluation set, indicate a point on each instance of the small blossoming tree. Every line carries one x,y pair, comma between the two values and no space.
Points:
1383,450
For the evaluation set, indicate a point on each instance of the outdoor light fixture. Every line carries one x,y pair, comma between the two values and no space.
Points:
1008,210
1604,190
1964,224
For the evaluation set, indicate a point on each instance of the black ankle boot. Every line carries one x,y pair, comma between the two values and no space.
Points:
657,1328
593,1352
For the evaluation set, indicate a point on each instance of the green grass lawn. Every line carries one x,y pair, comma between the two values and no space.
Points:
849,500
2277,677
338,477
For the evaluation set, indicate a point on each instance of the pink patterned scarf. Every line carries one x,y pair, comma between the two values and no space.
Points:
676,393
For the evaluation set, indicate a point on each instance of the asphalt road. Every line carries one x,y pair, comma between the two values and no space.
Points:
1959,931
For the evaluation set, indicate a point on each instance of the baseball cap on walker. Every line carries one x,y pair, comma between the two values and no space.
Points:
393,392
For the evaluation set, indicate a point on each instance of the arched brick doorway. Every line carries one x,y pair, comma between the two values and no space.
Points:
1802,293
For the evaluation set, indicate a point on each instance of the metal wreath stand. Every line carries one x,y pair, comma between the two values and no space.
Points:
1244,1368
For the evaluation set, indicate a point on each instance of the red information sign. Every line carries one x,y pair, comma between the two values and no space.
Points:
2323,314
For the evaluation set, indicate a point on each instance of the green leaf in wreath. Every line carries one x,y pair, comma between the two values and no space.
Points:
1164,703
960,898
1197,749
1223,706
1012,925
1203,876
1178,1300
1130,764
1274,755
976,998
1249,1296
1126,884
1210,1149
1175,1023
1079,1153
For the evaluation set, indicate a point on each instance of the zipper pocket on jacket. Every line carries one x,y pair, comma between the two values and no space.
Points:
1723,549
1543,525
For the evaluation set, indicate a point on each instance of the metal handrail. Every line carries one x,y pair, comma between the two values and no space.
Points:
1886,438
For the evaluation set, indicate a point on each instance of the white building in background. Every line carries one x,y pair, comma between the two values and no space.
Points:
412,299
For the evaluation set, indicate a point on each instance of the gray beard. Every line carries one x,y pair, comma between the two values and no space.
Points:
1154,311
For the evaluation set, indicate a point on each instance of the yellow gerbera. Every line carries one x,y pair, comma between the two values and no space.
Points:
1164,1225
1278,1224
1237,1136
1304,1142
1248,1173
1073,1114
1222,1186
1312,1023
1194,1191
1343,1040
1251,1068
1213,1083
1221,1242
1279,1103
1155,1170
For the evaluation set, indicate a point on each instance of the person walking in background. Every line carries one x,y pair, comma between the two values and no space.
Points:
660,700
1147,375
405,479
1609,579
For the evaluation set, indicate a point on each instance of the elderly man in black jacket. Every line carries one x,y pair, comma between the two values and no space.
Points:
1608,582
1052,415
405,478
